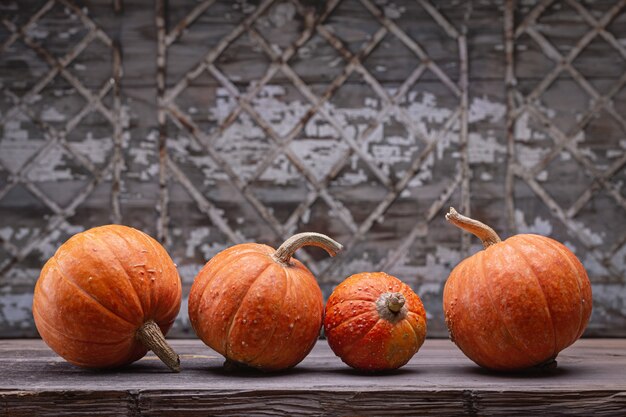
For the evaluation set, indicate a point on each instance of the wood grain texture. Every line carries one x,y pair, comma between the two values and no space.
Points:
439,380
209,123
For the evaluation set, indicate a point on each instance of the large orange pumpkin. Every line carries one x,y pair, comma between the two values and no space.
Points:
258,306
107,296
517,303
374,322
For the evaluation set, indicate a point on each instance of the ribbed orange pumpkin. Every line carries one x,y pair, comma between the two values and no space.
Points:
517,303
259,307
374,322
107,296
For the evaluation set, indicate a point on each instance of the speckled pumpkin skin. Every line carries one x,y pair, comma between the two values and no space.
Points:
98,289
357,333
254,310
517,303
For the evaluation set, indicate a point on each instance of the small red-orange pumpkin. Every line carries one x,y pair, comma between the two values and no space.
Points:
107,296
374,322
517,303
258,306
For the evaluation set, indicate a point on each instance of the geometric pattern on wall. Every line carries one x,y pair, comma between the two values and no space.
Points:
349,117
60,151
349,150
567,157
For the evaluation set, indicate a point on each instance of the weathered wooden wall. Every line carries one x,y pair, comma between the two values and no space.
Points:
208,123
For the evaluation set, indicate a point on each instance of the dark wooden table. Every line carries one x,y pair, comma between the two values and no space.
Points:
590,380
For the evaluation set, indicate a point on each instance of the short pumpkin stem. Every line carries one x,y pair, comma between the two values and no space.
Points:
480,230
151,336
395,302
284,253
390,306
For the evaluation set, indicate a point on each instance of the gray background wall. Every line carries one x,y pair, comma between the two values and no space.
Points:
208,123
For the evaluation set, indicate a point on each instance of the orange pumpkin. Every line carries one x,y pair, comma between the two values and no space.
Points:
374,322
107,296
258,306
517,303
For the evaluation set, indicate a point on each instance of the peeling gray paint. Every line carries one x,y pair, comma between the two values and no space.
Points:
18,144
538,226
182,194
15,310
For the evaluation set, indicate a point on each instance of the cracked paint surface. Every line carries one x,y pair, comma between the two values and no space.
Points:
213,176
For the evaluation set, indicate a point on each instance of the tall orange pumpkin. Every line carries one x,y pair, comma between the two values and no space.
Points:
258,306
374,322
517,303
106,297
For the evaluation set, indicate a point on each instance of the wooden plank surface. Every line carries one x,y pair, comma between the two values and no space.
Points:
439,380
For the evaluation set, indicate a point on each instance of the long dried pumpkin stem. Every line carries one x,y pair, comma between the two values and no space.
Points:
480,230
284,253
151,336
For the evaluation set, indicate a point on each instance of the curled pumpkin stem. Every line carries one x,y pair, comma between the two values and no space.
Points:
485,233
151,336
284,253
